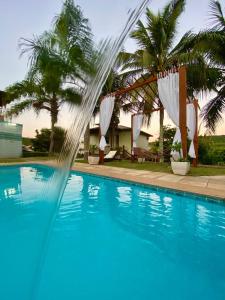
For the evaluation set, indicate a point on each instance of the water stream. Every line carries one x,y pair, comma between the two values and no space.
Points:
54,189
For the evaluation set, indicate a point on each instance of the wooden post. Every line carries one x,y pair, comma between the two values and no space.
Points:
101,152
161,132
131,138
101,157
195,160
183,108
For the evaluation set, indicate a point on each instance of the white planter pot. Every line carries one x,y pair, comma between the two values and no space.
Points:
180,167
141,159
93,160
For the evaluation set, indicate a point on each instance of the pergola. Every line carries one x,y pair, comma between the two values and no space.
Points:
143,90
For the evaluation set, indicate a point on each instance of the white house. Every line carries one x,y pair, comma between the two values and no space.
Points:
122,138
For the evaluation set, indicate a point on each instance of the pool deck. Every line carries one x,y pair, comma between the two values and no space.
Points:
209,186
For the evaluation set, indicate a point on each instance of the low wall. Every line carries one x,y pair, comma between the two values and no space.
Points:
10,140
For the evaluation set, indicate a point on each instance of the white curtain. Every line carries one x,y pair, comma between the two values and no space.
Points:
191,125
137,123
168,88
106,110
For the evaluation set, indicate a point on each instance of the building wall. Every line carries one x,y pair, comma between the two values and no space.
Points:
124,140
10,140
143,142
94,139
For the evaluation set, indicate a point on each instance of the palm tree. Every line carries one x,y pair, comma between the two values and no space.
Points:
60,62
212,42
37,94
74,41
156,52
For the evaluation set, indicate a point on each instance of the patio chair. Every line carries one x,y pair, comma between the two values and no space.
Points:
143,153
110,156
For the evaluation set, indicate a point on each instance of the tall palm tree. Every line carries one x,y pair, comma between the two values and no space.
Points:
157,52
37,94
212,42
155,41
60,62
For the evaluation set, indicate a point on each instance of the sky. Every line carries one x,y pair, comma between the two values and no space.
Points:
26,18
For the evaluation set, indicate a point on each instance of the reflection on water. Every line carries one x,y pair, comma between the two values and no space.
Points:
15,180
105,228
9,187
170,216
151,215
22,223
174,224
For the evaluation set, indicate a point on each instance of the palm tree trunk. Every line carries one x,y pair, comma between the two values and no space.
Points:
54,117
113,137
161,133
86,142
51,147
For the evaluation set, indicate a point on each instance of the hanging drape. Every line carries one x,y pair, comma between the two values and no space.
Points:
106,110
168,88
137,123
191,125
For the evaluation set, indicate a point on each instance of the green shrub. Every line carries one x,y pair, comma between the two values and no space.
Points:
41,142
168,136
209,153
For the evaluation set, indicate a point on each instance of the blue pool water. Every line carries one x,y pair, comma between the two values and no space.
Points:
111,240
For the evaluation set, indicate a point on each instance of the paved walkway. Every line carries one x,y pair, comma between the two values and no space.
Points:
212,186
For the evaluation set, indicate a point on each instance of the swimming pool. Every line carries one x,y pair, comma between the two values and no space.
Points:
111,240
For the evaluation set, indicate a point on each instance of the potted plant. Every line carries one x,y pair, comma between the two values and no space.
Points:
179,165
93,157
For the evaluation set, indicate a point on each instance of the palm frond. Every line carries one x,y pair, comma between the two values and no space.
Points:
170,16
70,95
201,77
212,112
186,44
141,35
19,108
217,17
212,43
20,89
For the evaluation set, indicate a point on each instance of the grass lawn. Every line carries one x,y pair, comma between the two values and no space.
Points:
165,167
149,166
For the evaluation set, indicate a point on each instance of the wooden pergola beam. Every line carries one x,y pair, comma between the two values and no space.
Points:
135,86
